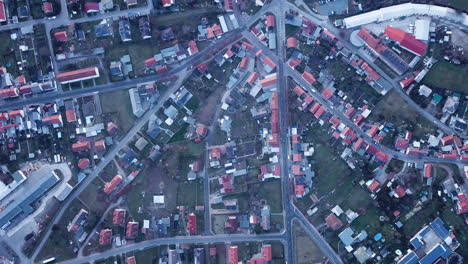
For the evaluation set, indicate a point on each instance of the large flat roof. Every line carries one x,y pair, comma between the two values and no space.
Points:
38,183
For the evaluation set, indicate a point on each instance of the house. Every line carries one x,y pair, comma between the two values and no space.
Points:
99,145
78,221
118,217
462,204
333,222
78,75
233,257
124,30
9,92
167,3
292,43
81,146
83,163
145,27
3,17
91,7
48,8
406,40
53,120
105,237
131,260
265,214
192,224
112,185
192,48
131,2
61,36
132,230
112,128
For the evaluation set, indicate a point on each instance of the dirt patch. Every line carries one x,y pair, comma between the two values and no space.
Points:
306,250
206,112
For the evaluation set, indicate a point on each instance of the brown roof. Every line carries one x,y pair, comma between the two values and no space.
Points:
76,75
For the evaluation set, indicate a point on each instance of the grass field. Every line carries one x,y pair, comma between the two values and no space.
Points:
119,106
394,109
271,191
190,193
94,197
305,250
460,4
448,76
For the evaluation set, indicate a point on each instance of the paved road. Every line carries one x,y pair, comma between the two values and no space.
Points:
110,155
202,240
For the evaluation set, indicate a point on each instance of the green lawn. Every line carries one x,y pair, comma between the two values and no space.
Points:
459,4
190,193
94,197
448,76
271,191
117,104
394,109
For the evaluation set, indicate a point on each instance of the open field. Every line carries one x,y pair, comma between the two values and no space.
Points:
271,191
119,108
459,4
448,76
306,251
394,109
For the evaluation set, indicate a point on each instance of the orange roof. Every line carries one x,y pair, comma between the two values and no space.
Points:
358,144
215,153
244,62
297,157
10,92
373,186
405,82
81,146
77,75
99,145
110,186
371,41
270,21
83,164
70,114
266,60
292,42
131,260
297,169
118,217
406,40
319,112
373,130
269,81
314,108
233,258
327,93
52,120
333,222
298,90
132,230
266,251
252,77
309,77
105,237
192,224
274,101
427,170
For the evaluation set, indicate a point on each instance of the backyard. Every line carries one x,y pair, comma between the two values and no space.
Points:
447,76
116,107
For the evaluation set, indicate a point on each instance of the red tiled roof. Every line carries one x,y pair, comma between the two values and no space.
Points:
405,82
192,47
25,89
314,108
292,42
83,164
406,40
269,81
244,62
118,217
252,77
270,21
373,130
233,257
447,140
297,169
462,205
333,222
47,7
77,75
70,114
299,189
110,186
309,77
266,60
298,90
297,157
381,156
266,251
161,69
335,121
427,170
215,153
319,112
9,92
14,113
61,35
400,191
358,144
308,99
90,7
2,12
247,45
274,140
4,116
374,186
228,5
371,73
131,260
81,146
371,41
192,224
150,62
52,120
105,237
401,144
99,145
132,230
274,101
327,93
227,184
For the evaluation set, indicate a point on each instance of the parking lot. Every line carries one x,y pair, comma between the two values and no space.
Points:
331,7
